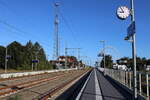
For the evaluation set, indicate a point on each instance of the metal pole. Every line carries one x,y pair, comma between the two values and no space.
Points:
134,52
79,56
140,88
134,71
36,60
103,53
104,56
56,34
130,80
126,78
147,85
65,57
32,66
6,61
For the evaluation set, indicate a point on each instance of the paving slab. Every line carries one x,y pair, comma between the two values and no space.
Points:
110,90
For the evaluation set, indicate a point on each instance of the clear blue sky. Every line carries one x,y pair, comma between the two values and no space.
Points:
90,21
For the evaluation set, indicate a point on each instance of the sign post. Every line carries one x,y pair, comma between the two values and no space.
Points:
123,13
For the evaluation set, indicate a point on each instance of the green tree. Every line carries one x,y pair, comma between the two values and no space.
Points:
17,53
22,56
29,55
141,63
108,61
39,54
2,57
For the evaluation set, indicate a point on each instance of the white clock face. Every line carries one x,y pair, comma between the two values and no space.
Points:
123,12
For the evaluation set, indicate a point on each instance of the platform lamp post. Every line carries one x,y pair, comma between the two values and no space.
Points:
102,41
66,58
7,57
6,60
122,13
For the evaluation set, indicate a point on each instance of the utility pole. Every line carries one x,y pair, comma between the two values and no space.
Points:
79,53
32,65
6,60
56,35
32,62
66,57
85,59
36,60
103,53
134,50
79,56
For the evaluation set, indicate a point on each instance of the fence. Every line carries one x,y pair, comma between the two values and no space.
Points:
126,78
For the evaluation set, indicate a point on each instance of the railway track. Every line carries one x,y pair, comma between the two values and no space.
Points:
54,90
14,88
11,90
24,82
10,81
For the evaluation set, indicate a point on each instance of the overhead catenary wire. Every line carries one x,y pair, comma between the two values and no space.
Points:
23,33
15,35
74,34
68,26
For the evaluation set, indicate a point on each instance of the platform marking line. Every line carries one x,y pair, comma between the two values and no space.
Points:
81,91
97,88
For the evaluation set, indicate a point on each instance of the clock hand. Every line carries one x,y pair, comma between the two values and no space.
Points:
122,10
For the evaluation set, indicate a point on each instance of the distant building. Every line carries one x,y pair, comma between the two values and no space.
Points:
70,60
120,67
115,66
148,67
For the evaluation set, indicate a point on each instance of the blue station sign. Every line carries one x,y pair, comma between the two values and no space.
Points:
131,29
